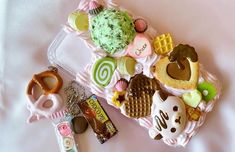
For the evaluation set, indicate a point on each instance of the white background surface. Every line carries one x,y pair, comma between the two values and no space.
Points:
30,26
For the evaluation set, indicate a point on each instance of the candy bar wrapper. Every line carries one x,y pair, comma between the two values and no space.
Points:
98,119
65,136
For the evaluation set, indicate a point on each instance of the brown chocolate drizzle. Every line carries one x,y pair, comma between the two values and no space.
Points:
161,122
158,137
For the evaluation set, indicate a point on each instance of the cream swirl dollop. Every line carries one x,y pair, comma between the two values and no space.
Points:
148,62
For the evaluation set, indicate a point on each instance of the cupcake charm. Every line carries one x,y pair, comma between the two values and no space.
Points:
121,85
94,8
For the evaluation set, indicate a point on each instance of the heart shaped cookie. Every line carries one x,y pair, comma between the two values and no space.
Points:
180,70
140,47
138,98
162,74
177,73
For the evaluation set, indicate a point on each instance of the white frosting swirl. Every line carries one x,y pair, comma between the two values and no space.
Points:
147,63
116,76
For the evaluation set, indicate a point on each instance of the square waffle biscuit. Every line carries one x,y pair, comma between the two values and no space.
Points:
163,44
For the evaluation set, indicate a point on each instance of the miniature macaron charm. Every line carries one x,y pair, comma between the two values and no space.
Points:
102,71
140,25
94,8
140,47
121,85
78,21
126,65
192,98
208,91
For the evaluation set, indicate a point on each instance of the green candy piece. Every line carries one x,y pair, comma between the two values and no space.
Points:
208,91
102,71
112,30
126,65
192,98
78,21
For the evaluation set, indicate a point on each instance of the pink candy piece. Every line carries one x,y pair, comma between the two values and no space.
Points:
94,7
121,85
140,25
38,110
64,129
140,48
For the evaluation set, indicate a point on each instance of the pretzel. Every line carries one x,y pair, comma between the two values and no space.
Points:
36,106
38,80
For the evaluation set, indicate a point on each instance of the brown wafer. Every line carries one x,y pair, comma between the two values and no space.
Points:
139,96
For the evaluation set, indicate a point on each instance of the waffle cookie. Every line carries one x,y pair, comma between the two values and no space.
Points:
163,44
138,98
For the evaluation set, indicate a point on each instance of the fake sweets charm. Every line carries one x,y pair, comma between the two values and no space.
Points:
99,121
140,25
102,71
94,8
78,21
140,47
208,91
112,30
65,137
49,102
180,70
169,117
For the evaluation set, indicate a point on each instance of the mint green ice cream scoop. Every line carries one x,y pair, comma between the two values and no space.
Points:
112,30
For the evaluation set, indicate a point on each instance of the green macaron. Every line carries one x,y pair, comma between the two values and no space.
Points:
78,21
126,65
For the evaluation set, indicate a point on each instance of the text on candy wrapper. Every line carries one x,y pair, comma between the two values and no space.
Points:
100,115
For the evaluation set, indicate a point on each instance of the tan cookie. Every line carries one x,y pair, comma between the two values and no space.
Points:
139,96
180,70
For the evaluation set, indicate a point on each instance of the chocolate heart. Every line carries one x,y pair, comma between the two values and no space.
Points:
168,73
180,74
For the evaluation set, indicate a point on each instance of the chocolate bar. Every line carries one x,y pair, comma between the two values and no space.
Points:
98,119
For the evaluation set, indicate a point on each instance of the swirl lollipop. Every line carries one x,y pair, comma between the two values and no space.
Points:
102,71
